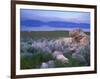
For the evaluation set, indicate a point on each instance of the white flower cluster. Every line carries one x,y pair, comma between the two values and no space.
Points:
46,45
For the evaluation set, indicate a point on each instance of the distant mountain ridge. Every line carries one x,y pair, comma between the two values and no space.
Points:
58,24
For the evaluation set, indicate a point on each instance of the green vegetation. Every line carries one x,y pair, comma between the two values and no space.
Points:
32,58
46,34
34,61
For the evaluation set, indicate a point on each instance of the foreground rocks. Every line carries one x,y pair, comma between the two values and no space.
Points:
49,64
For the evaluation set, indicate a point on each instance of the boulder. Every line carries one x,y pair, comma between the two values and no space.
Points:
58,55
49,64
44,65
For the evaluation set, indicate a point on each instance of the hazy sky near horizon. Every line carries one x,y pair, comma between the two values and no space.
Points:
39,20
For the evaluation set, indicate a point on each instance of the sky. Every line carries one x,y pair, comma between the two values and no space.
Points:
51,20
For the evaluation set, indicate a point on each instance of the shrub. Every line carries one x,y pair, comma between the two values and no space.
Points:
35,60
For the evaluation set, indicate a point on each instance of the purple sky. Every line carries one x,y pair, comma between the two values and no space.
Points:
48,20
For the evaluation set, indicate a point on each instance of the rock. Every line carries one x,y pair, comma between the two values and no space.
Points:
44,65
51,64
58,55
80,46
62,59
79,36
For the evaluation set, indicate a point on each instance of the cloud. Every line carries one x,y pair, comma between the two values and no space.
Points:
49,15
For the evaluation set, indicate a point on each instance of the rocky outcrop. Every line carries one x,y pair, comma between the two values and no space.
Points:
81,46
78,36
